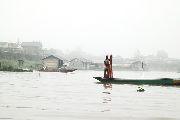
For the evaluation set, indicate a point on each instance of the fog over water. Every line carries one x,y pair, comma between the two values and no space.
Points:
97,26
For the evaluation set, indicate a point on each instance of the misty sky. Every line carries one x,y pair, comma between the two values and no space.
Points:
98,27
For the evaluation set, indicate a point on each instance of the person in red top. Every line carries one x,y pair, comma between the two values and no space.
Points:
106,69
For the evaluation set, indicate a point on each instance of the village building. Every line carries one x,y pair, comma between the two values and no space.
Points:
33,48
97,65
52,63
3,44
79,64
138,66
10,47
13,45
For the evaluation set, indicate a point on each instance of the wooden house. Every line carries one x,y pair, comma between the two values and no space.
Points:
80,64
52,63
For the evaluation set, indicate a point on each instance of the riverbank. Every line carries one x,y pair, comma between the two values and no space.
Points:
13,65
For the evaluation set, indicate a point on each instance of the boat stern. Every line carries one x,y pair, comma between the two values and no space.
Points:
176,82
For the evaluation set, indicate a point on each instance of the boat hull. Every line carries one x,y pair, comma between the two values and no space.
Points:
160,81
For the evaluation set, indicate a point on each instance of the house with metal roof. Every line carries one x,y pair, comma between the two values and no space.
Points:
80,63
52,63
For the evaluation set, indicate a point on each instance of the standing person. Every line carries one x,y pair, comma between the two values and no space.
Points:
106,69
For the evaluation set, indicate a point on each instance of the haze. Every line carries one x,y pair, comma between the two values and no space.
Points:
96,26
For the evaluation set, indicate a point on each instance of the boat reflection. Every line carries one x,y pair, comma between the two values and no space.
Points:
106,99
107,92
107,88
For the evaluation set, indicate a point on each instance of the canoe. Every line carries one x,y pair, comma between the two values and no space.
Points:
159,81
66,70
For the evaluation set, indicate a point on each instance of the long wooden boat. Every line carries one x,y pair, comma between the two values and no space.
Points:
160,81
66,70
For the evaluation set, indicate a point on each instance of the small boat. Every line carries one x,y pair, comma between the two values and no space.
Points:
66,69
160,81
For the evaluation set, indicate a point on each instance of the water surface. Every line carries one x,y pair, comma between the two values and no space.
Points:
77,96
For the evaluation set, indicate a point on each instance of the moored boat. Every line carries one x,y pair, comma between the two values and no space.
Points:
159,81
66,69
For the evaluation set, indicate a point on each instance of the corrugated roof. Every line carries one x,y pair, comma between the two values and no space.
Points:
81,59
51,56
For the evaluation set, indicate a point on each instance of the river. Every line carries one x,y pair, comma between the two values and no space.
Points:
77,96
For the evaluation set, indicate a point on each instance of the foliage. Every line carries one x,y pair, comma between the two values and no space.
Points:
12,65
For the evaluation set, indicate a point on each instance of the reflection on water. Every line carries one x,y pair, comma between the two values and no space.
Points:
106,99
58,96
107,92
